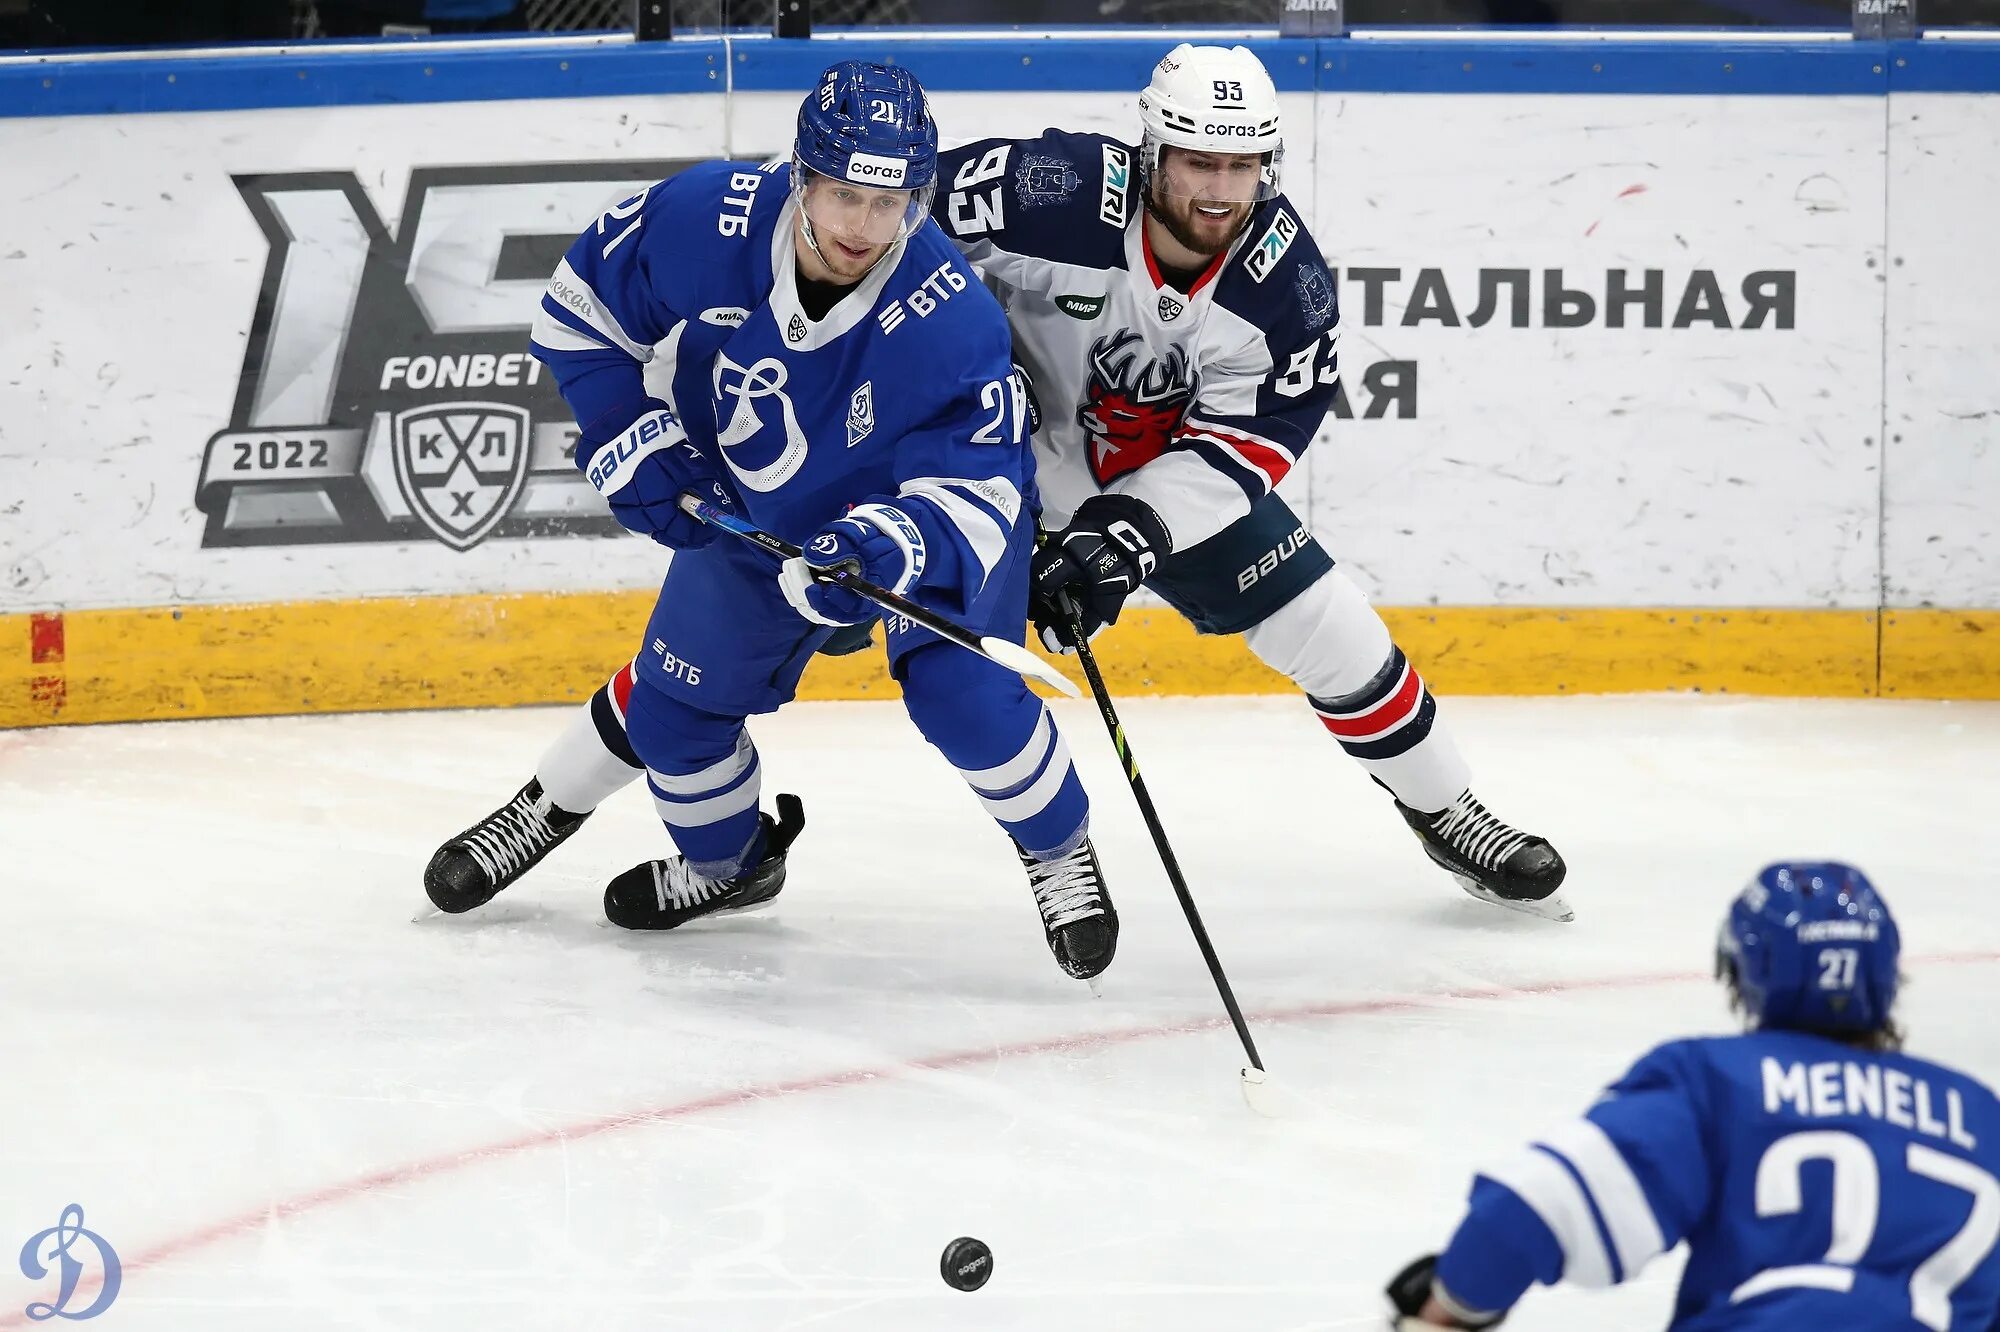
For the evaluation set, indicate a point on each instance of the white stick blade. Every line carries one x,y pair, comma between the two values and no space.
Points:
1017,658
1263,1096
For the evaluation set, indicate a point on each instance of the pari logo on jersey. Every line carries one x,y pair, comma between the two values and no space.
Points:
387,393
1271,246
1133,403
1111,204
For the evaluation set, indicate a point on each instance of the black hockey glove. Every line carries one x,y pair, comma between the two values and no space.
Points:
1112,545
1411,1287
1028,396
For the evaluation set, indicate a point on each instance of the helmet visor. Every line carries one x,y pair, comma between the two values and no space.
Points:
859,214
1215,177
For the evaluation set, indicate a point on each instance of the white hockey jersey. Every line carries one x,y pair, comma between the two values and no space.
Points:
1196,402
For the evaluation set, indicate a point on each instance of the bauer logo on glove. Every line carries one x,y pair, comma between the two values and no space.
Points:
614,463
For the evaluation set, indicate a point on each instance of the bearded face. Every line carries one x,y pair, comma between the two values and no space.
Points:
1203,199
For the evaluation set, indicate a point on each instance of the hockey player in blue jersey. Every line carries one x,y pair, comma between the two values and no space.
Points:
1180,328
1821,1178
798,343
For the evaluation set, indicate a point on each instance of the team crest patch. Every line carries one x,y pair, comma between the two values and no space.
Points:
460,466
1041,180
1316,300
1171,307
861,413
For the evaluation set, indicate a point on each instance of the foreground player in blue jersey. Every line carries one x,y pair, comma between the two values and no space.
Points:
802,345
1821,1178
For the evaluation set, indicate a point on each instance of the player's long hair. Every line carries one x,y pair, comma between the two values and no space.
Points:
1886,1036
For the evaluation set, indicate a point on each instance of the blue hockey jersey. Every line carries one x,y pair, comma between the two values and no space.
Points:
1197,402
688,292
1816,1185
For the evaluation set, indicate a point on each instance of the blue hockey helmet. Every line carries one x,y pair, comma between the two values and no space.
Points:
867,127
1810,945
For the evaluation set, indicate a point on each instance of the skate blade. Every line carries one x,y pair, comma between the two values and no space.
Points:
1553,907
1096,987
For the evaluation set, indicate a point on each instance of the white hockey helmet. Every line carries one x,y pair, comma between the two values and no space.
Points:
1212,99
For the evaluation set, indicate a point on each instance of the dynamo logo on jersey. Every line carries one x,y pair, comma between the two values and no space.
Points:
761,461
387,393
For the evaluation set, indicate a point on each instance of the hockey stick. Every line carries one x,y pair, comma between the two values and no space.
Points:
1255,1089
998,650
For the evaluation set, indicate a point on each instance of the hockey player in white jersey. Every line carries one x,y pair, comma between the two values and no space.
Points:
796,342
1180,330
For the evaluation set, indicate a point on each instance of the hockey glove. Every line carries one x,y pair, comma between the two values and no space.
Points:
1415,1286
1028,396
1112,545
642,473
876,540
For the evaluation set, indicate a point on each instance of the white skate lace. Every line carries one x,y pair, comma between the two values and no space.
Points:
1065,888
677,887
512,837
1476,834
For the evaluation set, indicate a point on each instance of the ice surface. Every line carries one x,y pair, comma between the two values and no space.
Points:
289,1106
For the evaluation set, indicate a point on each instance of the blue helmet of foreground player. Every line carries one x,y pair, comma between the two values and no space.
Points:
1809,945
869,126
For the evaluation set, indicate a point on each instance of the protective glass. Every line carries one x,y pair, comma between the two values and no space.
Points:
859,214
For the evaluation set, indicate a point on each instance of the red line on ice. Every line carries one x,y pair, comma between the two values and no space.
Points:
246,1222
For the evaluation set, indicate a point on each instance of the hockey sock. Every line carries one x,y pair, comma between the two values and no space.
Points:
1003,742
592,757
705,778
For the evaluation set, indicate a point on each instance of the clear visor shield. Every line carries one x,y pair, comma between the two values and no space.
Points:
1216,178
858,215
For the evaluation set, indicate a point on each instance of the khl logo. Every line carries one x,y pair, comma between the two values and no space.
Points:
57,1248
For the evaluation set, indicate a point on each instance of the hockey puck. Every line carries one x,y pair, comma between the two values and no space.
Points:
966,1264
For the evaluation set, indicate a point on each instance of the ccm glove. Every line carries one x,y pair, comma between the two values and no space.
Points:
1112,545
1410,1289
876,540
643,472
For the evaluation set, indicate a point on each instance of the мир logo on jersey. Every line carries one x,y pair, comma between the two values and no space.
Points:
387,390
1133,403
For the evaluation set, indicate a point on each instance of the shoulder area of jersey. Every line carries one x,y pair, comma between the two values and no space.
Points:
934,285
1058,176
1278,265
739,194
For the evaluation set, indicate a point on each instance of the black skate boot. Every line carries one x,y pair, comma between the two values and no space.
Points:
1492,861
663,894
1076,909
472,867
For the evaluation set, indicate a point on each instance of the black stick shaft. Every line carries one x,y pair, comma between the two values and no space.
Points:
997,650
1152,817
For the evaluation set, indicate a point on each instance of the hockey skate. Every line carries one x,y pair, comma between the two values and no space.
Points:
1076,909
471,868
665,894
1492,861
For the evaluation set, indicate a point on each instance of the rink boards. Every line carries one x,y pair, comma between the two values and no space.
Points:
1667,363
